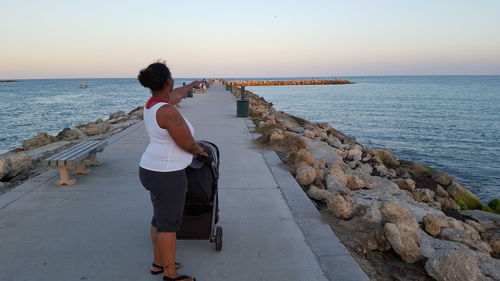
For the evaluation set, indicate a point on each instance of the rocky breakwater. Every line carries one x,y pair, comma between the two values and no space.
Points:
288,82
22,163
381,206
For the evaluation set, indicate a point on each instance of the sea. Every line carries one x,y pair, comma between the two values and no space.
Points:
451,123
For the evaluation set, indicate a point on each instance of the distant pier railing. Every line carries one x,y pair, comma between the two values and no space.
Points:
288,82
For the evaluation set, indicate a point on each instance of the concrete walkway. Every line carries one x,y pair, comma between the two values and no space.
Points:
99,228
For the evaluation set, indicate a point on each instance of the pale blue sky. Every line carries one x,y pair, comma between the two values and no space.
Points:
59,39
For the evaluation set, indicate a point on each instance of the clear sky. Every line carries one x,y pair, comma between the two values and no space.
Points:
109,38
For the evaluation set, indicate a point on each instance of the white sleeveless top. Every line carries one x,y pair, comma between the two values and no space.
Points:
162,153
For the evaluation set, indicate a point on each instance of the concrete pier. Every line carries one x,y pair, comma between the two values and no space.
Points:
98,229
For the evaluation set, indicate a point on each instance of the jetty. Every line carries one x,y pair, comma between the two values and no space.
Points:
98,229
288,82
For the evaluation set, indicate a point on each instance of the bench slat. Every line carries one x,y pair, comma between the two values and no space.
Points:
61,160
52,160
74,154
67,151
75,159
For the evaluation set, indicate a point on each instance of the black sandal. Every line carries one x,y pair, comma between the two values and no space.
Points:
177,266
182,277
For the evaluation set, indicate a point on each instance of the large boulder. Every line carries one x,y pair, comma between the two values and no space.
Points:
136,113
385,156
68,134
336,182
322,151
96,129
40,140
492,237
318,194
440,177
355,183
295,157
423,195
405,184
383,171
305,174
340,207
447,203
463,195
4,168
117,115
453,264
401,230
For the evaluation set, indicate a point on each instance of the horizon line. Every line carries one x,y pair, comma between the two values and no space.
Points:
261,77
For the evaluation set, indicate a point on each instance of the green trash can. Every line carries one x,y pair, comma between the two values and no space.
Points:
242,108
190,94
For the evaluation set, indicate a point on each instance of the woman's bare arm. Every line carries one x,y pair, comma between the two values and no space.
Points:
178,93
169,118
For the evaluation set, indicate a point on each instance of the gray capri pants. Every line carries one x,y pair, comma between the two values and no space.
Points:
168,192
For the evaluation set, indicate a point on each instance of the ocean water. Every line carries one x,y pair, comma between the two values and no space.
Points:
451,123
31,106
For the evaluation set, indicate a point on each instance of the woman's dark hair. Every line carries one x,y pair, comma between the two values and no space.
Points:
154,76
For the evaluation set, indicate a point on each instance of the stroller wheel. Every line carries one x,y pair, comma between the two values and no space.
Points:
218,239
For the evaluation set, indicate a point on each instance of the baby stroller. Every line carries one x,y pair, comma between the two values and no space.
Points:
201,210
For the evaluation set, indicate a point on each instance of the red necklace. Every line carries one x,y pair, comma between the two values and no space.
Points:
155,99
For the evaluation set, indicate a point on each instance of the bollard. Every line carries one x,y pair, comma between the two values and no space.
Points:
242,105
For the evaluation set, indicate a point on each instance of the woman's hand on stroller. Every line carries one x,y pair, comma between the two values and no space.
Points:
201,152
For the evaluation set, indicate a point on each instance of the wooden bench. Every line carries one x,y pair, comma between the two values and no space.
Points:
75,158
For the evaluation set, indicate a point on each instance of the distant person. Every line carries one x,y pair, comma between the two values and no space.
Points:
170,151
203,86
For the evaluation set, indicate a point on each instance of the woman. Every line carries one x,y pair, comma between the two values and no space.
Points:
162,165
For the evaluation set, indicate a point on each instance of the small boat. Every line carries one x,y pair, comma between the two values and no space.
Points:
83,84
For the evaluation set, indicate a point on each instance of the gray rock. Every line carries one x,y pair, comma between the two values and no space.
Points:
406,184
322,151
385,172
385,156
453,264
297,129
309,134
401,230
483,217
365,168
440,191
336,183
305,174
447,203
340,207
372,213
4,168
423,194
117,115
18,164
40,140
492,237
355,183
353,164
453,234
68,134
325,126
318,194
97,129
440,177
